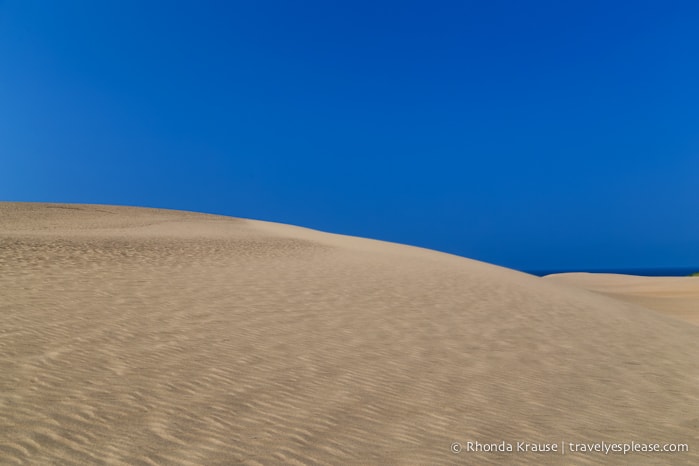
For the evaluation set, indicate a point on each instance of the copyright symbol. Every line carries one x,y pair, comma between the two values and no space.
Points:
456,447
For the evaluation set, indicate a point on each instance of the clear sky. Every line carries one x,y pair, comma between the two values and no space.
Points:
530,134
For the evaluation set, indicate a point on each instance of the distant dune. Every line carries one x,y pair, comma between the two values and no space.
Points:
133,336
675,296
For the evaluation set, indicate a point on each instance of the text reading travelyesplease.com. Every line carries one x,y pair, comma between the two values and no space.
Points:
564,447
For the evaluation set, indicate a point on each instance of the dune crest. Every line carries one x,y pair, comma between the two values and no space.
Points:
133,336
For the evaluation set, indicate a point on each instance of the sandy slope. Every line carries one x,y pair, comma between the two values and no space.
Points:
675,296
138,336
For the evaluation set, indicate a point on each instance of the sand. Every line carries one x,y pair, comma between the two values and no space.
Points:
674,296
136,336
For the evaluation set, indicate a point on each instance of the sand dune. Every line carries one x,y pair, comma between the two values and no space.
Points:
674,296
139,336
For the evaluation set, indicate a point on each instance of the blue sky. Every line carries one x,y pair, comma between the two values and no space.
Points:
535,135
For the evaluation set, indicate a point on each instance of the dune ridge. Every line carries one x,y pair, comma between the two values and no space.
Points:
135,336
